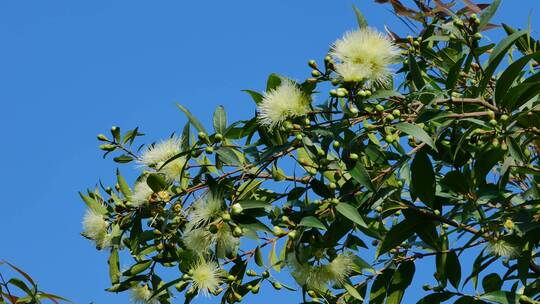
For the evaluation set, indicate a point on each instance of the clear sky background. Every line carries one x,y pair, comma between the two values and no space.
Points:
71,69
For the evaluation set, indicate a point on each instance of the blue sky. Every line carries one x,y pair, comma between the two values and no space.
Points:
71,69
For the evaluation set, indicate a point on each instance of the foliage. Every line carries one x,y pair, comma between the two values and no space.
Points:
23,290
439,161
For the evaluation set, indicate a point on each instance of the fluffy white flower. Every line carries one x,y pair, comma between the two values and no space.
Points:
317,277
285,101
158,154
198,240
206,208
142,294
206,276
503,249
365,54
353,71
141,193
94,225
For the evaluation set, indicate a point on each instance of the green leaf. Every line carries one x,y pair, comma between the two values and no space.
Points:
415,73
123,159
501,297
360,174
138,268
311,221
122,184
520,94
228,156
362,23
492,282
351,213
423,177
220,120
397,234
254,204
453,269
274,80
21,272
114,267
401,279
194,121
256,96
416,132
510,74
93,204
435,298
487,14
352,291
258,257
383,94
378,289
496,57
456,181
156,182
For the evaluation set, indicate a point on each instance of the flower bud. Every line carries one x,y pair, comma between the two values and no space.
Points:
353,156
107,147
315,73
102,137
236,209
218,137
312,64
202,135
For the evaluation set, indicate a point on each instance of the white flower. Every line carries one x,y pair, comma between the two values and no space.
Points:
95,226
503,249
158,154
206,276
198,240
317,277
142,294
206,208
365,54
353,71
285,101
141,193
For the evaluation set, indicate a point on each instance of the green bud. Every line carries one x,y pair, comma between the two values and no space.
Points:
218,137
389,138
396,112
437,212
277,285
353,156
445,226
368,93
312,64
315,73
226,216
336,144
491,114
427,287
278,231
333,93
237,232
202,135
209,150
389,117
299,137
231,278
334,201
256,289
379,107
474,16
332,186
478,36
292,234
504,117
362,93
265,274
102,137
236,209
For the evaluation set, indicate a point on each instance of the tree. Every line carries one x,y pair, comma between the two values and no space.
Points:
422,146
